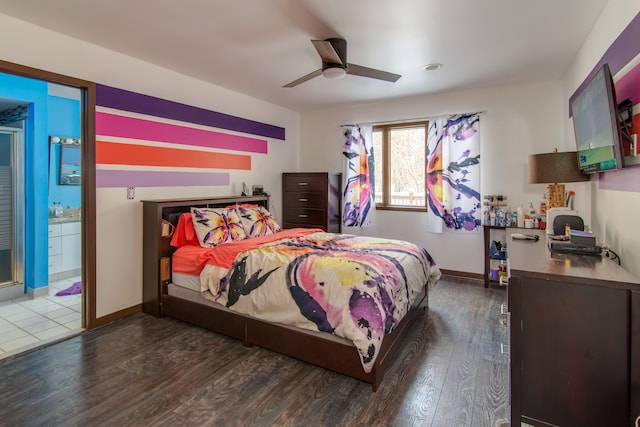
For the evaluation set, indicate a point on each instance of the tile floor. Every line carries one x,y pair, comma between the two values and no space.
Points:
26,323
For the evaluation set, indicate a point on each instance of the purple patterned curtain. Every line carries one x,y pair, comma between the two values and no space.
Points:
453,173
358,193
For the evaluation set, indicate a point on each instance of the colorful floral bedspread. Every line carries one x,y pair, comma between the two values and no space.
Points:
355,287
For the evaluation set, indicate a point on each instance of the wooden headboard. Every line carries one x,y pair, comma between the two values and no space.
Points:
155,246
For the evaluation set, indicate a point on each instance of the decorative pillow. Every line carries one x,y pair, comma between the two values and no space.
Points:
258,221
185,234
216,226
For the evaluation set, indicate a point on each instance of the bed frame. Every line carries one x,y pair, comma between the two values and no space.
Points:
312,348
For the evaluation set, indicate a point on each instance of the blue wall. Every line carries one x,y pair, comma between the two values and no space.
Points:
64,120
36,152
46,115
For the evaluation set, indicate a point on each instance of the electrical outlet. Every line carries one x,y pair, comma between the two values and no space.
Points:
131,193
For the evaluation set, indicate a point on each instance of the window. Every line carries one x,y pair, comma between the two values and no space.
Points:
399,155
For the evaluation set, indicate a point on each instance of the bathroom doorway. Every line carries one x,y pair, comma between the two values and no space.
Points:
40,278
77,222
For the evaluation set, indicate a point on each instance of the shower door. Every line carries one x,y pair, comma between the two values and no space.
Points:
11,207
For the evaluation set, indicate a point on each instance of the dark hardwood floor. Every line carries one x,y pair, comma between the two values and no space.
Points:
144,371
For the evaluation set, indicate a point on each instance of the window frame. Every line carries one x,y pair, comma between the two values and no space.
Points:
386,129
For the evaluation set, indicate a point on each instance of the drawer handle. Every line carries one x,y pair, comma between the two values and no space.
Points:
303,200
303,216
303,183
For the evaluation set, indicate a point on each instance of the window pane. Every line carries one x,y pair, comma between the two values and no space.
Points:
377,165
407,165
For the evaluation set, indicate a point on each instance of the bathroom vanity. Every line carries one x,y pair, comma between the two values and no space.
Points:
65,248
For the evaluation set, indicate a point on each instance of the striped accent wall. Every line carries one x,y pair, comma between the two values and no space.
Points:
143,141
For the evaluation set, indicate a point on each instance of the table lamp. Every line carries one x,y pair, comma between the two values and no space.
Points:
552,168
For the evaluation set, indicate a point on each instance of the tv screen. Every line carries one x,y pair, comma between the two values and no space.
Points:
595,121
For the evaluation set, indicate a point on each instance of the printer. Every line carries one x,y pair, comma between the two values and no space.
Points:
572,218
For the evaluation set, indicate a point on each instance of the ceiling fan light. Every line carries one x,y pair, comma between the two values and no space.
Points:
432,67
334,73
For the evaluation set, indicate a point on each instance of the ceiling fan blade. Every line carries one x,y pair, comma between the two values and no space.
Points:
359,70
326,51
303,79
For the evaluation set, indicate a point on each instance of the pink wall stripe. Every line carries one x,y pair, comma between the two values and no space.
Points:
128,178
628,86
147,130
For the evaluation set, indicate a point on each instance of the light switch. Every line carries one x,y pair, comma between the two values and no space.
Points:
131,193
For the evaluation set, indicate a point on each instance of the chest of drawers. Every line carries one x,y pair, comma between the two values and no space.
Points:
574,337
312,200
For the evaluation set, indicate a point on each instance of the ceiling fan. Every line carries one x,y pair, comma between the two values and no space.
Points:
333,53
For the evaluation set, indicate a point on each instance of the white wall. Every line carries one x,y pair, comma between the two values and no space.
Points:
615,213
119,221
519,120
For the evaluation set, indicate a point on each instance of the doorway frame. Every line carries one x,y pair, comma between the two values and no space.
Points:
88,146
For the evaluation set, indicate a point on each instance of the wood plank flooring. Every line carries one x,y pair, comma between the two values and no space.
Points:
144,371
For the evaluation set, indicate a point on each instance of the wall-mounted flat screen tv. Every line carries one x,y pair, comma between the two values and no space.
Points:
69,165
595,121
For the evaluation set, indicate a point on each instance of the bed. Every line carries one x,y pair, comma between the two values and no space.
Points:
338,301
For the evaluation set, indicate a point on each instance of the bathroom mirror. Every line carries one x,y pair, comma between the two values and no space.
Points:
69,165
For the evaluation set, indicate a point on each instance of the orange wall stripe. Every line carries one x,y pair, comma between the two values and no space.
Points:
114,153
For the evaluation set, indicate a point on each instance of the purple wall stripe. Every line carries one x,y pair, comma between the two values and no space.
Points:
107,96
621,51
621,180
128,178
148,130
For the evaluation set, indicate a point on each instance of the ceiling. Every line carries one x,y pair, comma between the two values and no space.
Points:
257,46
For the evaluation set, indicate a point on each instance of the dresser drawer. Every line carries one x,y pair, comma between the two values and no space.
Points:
305,182
306,216
305,199
290,225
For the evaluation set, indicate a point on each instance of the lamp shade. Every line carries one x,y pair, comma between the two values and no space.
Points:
554,167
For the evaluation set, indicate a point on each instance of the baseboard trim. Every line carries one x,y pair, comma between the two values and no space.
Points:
10,292
38,292
101,321
462,274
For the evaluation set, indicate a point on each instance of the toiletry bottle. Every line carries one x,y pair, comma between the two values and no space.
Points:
520,217
543,205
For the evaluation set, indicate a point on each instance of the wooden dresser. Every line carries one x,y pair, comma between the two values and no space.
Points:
312,200
574,337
